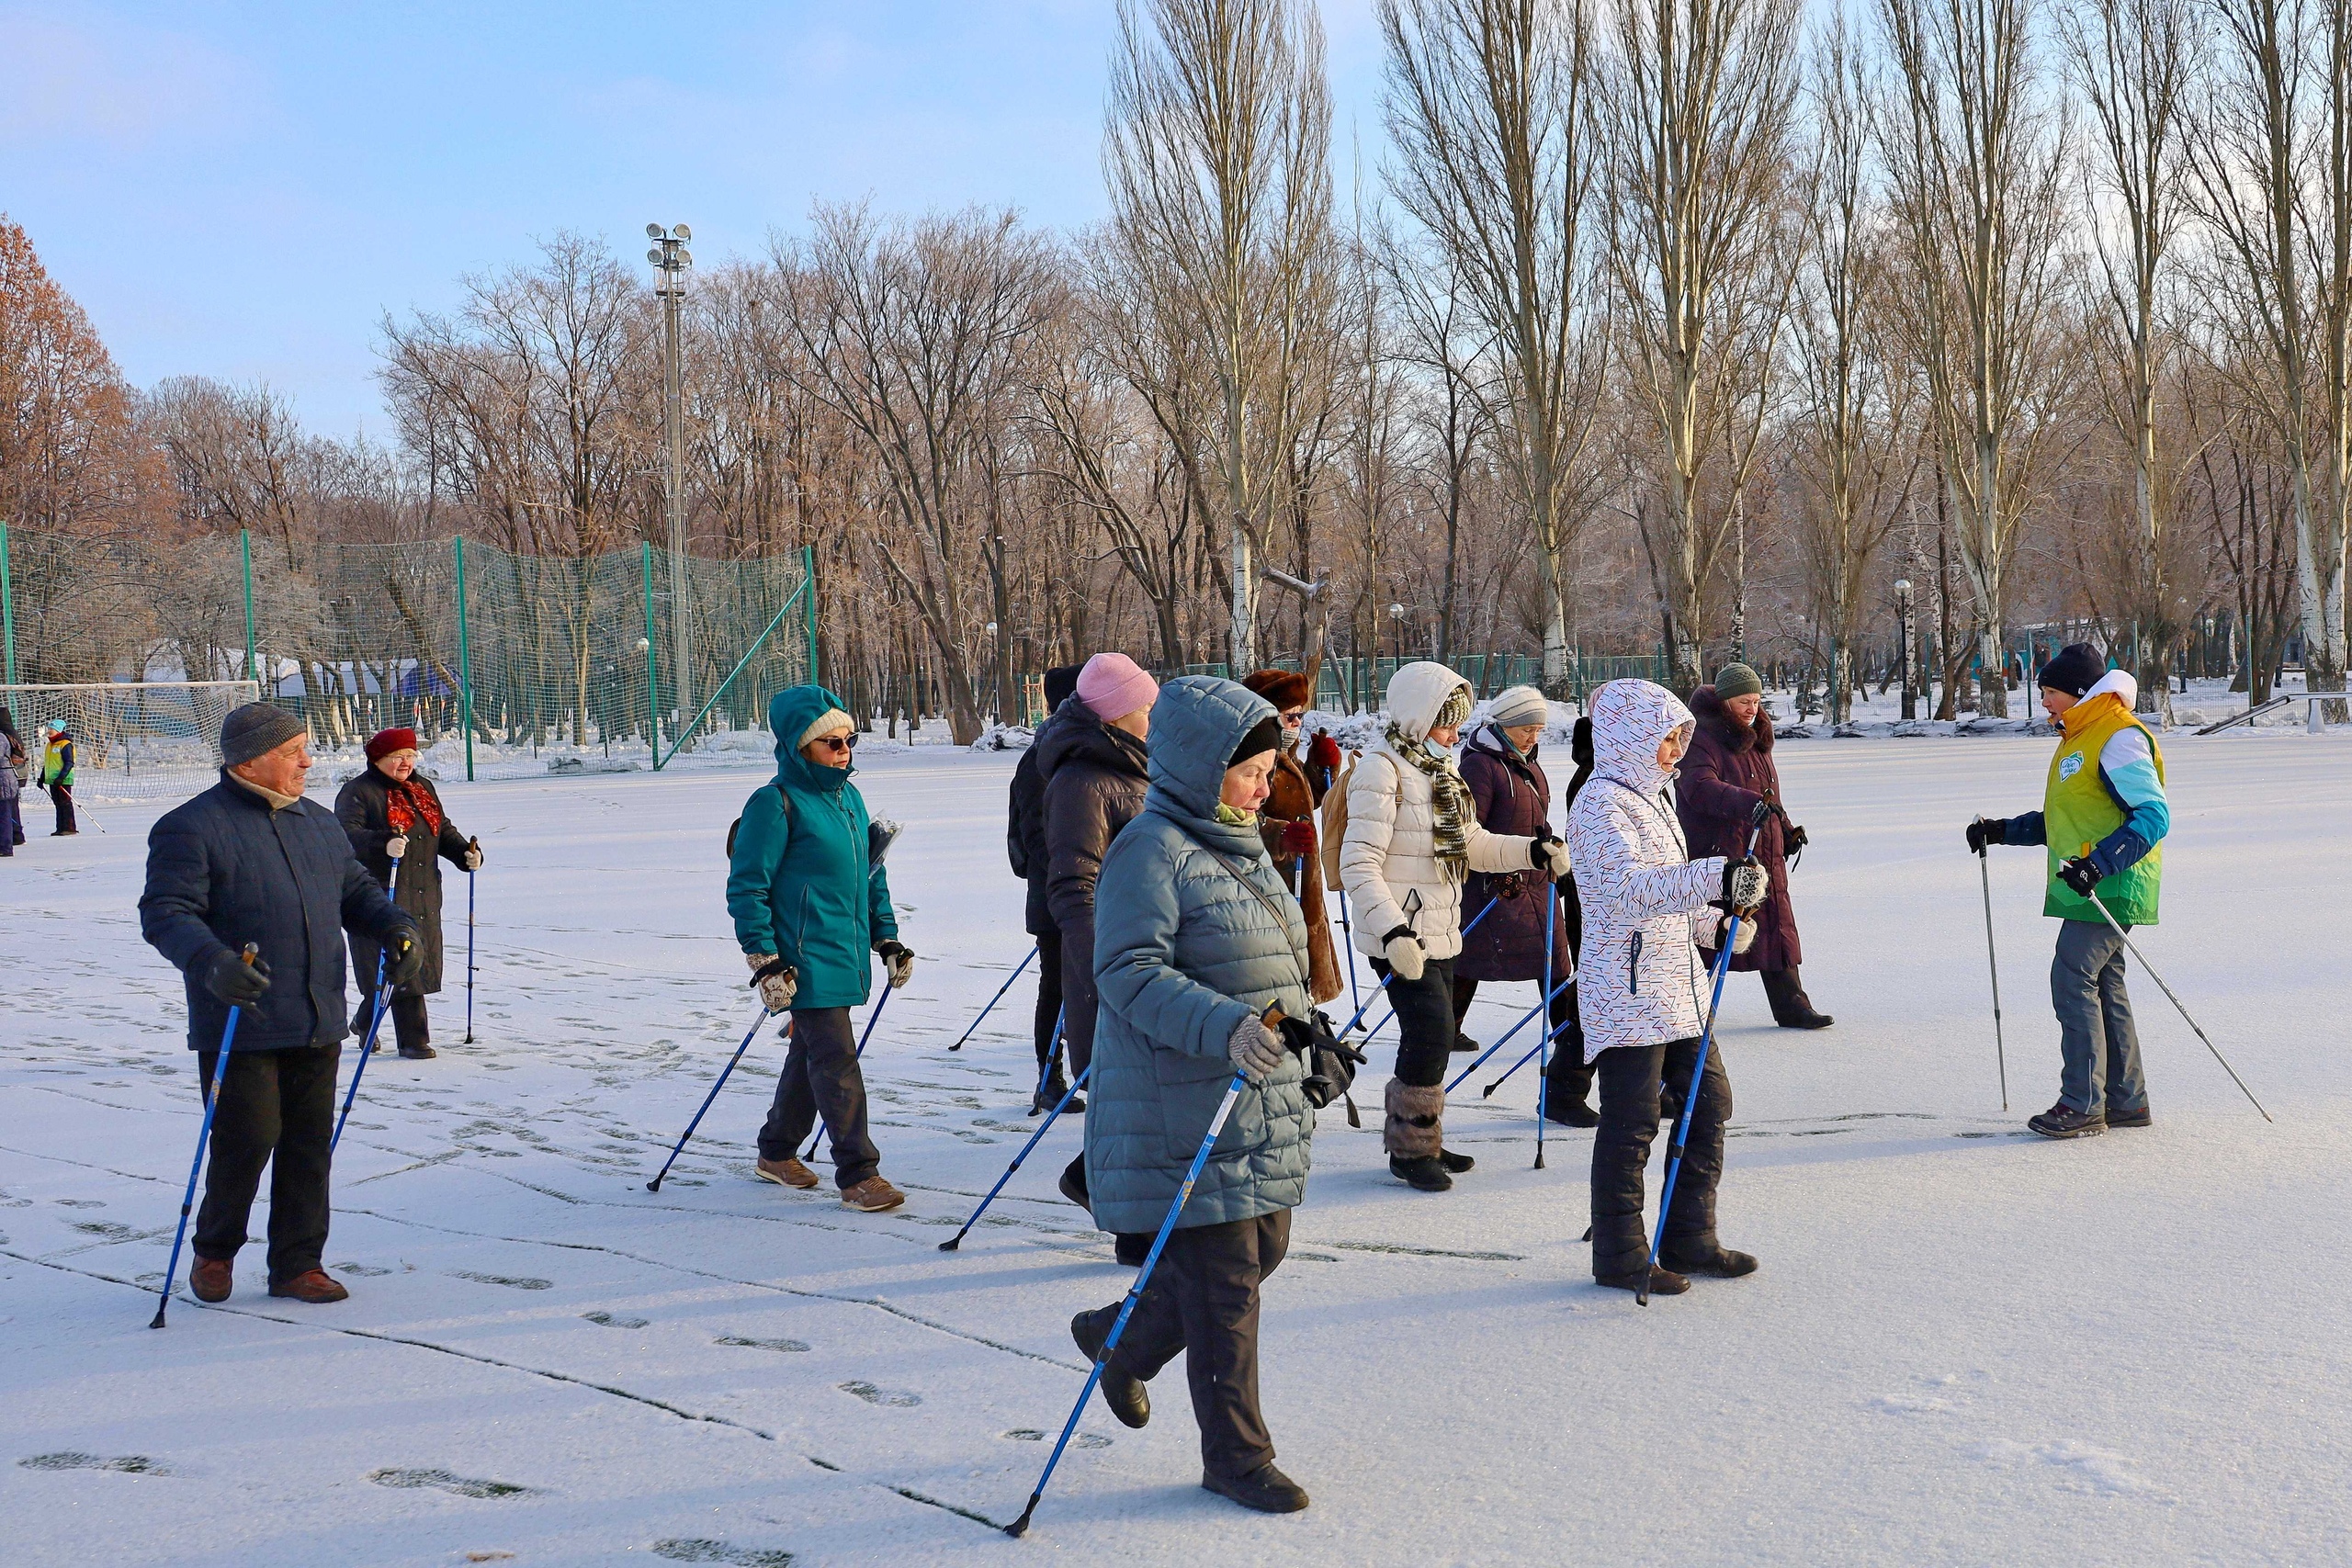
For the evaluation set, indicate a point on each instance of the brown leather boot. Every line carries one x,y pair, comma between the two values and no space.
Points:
315,1286
785,1173
212,1278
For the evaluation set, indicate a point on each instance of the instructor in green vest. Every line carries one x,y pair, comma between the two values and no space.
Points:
2102,821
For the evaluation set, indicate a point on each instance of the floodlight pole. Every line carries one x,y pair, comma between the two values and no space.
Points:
670,258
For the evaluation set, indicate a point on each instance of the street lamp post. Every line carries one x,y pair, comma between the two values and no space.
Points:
670,258
1396,620
1903,643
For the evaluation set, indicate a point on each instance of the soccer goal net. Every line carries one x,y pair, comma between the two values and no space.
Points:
132,739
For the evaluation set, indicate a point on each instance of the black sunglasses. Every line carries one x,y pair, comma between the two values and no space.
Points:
837,742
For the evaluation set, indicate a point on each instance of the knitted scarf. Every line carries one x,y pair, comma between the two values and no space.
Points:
1449,802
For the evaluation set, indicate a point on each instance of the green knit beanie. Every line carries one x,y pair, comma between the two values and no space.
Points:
1737,681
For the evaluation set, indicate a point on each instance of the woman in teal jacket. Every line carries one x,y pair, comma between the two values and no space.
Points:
809,904
1195,936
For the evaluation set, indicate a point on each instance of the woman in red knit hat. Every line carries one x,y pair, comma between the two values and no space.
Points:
392,812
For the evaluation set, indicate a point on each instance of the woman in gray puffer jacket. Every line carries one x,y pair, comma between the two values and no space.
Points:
1195,936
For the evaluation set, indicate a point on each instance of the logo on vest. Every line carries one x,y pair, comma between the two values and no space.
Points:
2072,765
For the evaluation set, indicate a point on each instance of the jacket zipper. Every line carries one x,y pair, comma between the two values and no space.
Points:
1633,967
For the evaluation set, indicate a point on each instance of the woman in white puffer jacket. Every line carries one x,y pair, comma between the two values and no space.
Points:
1640,991
1412,838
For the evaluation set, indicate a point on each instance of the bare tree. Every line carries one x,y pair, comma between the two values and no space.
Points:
1703,101
1216,154
1978,157
1490,103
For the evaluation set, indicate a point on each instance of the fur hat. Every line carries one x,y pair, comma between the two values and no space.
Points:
2074,668
384,742
1283,688
253,730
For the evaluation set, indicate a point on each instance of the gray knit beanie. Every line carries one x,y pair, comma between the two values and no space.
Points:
1737,681
256,728
1515,706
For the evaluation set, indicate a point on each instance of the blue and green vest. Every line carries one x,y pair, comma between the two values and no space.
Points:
2080,809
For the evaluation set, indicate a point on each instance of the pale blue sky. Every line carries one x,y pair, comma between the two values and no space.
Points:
241,191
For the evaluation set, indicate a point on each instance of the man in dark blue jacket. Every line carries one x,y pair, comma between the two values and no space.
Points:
251,861
1024,844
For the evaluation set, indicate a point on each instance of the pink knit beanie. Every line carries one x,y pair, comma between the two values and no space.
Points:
1112,687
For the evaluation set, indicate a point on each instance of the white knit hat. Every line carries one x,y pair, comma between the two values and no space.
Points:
832,721
1517,705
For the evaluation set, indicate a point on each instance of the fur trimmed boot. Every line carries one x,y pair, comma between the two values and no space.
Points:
1414,1135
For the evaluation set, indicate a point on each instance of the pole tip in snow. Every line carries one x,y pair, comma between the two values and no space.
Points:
159,1319
654,1185
952,1243
1020,1526
1539,1158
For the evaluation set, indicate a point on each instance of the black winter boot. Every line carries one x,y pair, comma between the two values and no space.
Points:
1266,1489
1712,1259
1791,1009
1567,1086
1057,1086
1073,1183
1663,1281
1414,1135
1122,1391
1425,1173
1456,1163
2062,1121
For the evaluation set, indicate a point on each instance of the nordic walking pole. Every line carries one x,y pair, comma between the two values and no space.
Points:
655,1185
1348,941
1697,1074
1509,1034
1544,1079
203,1136
1053,1055
383,994
2000,1054
1484,909
474,845
867,1034
951,1244
994,999
2159,979
1551,1037
1020,1526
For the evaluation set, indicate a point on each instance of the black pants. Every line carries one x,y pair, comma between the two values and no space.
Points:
821,1077
411,1029
1629,1079
62,797
1568,1075
1049,997
1425,1020
1202,1299
276,1108
1080,1001
12,832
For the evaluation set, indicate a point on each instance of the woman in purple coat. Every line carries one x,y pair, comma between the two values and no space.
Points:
1513,796
1728,769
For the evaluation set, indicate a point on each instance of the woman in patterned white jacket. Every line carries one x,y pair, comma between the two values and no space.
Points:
1641,992
1412,838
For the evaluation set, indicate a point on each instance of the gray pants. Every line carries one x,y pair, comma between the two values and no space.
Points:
2101,1049
821,1077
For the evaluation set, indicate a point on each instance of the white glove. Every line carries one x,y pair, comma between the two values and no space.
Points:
776,989
1745,883
471,859
1548,855
1709,929
397,846
1404,953
1255,1049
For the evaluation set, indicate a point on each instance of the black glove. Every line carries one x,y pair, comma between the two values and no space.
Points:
234,981
403,957
2081,874
1988,830
1547,854
1796,839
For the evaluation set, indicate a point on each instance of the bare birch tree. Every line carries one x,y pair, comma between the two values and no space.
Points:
1217,155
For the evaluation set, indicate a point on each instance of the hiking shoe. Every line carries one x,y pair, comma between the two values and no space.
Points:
314,1285
1461,1043
785,1173
418,1053
1455,1162
1719,1261
2139,1118
1122,1390
1056,1085
213,1278
872,1196
1265,1489
1570,1112
1663,1281
2062,1121
1425,1173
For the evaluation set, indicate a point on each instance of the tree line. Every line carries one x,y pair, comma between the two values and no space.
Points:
1683,325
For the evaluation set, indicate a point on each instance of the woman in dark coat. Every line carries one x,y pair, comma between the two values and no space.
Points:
1728,770
1302,777
1513,795
391,801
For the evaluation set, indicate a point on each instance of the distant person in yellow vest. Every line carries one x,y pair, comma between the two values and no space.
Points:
2103,817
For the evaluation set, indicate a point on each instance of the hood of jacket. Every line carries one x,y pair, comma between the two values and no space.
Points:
1077,731
1735,737
1195,724
1630,718
790,712
2120,684
1416,693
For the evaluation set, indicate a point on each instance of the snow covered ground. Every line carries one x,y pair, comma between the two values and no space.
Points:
1966,1345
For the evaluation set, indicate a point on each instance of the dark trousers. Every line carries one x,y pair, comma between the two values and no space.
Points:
1425,1020
1080,1001
1202,1301
1568,1075
821,1077
12,831
277,1110
1630,1079
1049,997
62,797
2096,1038
411,1029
